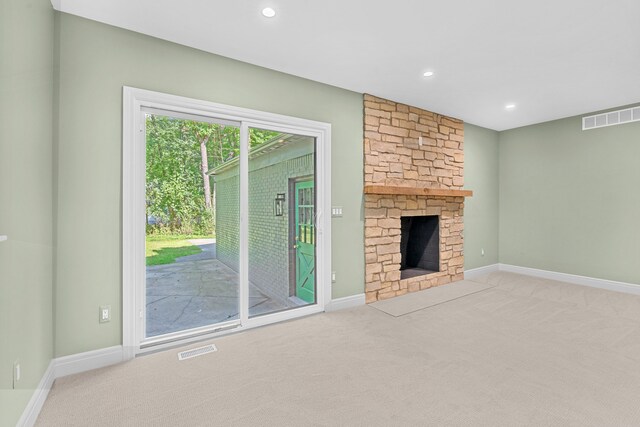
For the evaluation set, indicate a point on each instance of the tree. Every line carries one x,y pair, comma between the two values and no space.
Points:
179,154
173,191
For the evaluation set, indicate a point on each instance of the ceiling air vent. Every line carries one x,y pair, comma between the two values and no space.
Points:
610,119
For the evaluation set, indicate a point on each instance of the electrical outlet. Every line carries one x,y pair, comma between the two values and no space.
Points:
17,374
482,252
105,313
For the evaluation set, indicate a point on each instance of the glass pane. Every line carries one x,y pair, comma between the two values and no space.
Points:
281,221
192,201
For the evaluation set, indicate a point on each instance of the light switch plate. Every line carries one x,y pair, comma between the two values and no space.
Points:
336,211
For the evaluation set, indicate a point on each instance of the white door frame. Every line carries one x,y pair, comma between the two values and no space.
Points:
133,209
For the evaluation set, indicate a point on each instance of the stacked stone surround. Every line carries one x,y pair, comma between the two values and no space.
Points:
382,243
394,157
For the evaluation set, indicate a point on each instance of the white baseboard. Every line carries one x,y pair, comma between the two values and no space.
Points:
63,366
32,410
480,271
345,302
609,285
82,362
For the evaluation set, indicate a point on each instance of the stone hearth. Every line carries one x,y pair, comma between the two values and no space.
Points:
414,162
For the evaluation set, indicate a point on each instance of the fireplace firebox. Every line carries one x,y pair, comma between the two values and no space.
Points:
419,245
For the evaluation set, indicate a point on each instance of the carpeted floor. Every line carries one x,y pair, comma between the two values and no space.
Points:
526,352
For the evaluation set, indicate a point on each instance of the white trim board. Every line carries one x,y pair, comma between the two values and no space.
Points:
63,366
33,408
610,285
474,273
345,302
82,362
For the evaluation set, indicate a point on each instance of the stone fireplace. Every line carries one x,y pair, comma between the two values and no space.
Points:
414,200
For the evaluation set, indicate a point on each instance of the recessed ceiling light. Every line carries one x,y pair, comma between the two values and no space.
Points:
510,106
428,73
268,12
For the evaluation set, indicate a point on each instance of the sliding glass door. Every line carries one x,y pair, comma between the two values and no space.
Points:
222,219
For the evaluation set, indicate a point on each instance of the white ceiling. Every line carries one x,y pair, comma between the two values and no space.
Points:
552,58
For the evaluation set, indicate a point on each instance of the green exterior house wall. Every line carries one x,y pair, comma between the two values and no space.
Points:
268,234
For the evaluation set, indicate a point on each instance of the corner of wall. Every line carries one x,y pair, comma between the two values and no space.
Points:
55,161
481,210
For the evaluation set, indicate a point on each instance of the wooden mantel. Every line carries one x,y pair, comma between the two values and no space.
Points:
415,191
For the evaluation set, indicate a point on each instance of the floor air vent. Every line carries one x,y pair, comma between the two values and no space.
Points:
195,352
612,118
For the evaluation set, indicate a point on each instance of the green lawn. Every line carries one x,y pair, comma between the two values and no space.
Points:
164,249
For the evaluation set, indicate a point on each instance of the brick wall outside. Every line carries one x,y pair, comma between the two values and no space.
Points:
268,234
393,157
227,208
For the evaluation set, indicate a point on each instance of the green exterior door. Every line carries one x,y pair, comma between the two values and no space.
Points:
305,240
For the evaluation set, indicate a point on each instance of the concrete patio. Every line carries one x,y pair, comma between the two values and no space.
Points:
197,290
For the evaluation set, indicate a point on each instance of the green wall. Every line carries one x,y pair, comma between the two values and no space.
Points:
481,210
569,199
26,109
96,60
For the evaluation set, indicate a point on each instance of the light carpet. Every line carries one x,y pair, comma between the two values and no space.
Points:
527,352
415,301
